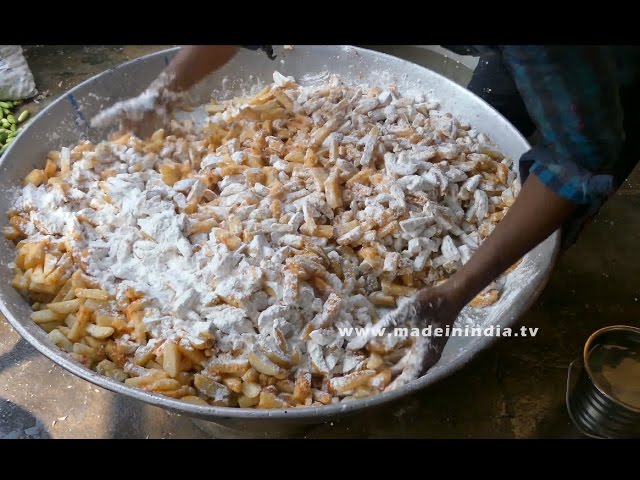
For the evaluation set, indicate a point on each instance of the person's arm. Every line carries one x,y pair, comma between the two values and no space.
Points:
195,62
571,94
536,214
188,67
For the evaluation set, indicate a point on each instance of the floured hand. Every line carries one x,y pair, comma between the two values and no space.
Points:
152,106
430,306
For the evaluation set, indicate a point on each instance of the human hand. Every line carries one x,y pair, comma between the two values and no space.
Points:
437,307
152,106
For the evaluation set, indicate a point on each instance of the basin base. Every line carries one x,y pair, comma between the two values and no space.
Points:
282,430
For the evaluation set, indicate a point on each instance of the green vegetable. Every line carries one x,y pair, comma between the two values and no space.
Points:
9,122
23,116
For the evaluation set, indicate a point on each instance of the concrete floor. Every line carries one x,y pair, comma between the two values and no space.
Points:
515,389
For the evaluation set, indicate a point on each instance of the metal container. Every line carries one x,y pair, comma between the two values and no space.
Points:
594,410
64,122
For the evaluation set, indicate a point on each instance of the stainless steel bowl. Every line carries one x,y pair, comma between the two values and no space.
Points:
592,407
64,122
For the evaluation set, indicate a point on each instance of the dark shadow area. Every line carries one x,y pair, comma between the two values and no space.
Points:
20,352
128,418
17,423
556,424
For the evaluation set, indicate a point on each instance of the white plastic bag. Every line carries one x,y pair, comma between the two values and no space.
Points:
16,80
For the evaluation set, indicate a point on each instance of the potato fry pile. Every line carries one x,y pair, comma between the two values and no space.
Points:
221,264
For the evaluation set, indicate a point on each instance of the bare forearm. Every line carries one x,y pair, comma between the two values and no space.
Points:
194,62
536,214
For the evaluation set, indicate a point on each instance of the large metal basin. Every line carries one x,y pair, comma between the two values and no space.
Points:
64,122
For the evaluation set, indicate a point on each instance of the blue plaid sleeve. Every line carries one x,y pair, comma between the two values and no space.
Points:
571,93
